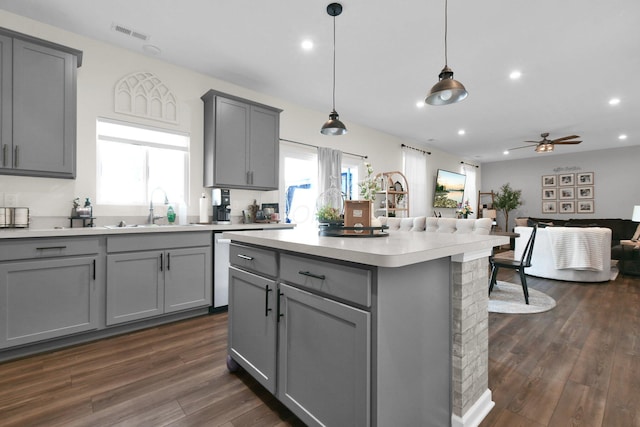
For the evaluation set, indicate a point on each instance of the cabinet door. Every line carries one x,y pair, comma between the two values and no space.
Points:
325,344
135,288
252,325
6,146
232,136
44,110
263,148
45,299
187,279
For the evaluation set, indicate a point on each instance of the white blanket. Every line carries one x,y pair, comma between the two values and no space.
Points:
578,248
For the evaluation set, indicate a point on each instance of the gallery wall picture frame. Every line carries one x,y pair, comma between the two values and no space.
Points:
567,179
549,194
584,178
549,207
585,192
567,206
586,206
566,193
549,180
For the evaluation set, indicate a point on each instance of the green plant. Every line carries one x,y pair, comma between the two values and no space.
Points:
328,213
506,200
369,185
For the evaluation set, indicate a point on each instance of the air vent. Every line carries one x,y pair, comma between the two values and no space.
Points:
129,32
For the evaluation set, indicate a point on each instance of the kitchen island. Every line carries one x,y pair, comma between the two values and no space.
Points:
364,331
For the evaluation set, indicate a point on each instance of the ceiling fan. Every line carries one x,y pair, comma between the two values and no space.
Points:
546,145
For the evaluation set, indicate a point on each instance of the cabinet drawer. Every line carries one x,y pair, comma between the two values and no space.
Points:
343,282
47,248
262,261
157,241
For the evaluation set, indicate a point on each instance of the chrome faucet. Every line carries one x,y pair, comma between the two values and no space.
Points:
151,219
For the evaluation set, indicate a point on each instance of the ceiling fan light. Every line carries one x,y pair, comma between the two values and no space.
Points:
333,126
447,90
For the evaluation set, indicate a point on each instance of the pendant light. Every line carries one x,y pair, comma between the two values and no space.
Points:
447,90
334,126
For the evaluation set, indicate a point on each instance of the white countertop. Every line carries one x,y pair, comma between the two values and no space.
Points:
26,233
399,249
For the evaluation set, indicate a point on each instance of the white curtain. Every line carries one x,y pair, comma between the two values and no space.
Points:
415,170
329,168
470,188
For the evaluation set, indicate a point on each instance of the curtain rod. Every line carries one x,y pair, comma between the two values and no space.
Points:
469,164
417,149
315,146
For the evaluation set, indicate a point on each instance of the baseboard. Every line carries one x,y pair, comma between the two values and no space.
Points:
476,413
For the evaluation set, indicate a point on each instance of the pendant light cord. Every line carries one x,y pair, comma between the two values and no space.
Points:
334,63
446,61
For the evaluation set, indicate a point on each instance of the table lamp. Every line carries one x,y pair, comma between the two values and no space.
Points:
491,213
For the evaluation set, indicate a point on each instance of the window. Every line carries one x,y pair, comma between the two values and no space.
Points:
134,160
300,174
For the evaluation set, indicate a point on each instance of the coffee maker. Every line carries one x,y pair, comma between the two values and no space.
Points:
221,206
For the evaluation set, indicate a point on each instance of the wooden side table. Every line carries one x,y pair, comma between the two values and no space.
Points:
630,258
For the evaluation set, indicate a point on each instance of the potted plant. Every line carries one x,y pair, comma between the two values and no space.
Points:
369,186
465,210
328,215
506,200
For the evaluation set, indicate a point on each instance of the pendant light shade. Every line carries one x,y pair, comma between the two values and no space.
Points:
334,126
447,90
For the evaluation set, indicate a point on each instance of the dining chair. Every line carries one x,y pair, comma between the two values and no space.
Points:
515,264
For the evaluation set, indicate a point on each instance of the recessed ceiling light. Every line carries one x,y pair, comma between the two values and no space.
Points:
461,132
420,104
623,136
151,49
505,152
307,44
614,101
515,75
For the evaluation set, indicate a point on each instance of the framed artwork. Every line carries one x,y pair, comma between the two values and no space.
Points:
585,192
585,178
567,207
549,194
549,207
549,180
566,179
567,193
585,206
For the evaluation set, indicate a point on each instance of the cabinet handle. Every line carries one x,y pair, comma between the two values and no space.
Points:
4,155
266,300
278,307
15,157
46,248
94,269
168,260
309,274
248,258
248,177
251,177
161,266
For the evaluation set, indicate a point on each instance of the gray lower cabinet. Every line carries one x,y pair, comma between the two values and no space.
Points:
241,143
297,331
173,273
252,325
38,107
48,291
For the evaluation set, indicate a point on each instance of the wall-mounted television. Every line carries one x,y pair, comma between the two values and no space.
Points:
449,189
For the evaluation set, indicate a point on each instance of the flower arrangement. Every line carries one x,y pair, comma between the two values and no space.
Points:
465,209
328,214
369,185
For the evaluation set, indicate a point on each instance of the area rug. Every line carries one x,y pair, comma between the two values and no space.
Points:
508,298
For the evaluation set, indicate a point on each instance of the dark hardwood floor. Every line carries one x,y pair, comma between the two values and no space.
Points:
576,365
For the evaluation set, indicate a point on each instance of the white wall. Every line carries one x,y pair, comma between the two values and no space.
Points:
50,200
616,188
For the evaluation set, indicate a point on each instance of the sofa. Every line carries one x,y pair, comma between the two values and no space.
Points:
576,254
437,225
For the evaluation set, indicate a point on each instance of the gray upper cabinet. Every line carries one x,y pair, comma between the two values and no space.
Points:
38,107
241,143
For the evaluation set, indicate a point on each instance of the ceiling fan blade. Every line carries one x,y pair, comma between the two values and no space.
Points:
533,142
517,148
564,138
567,142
